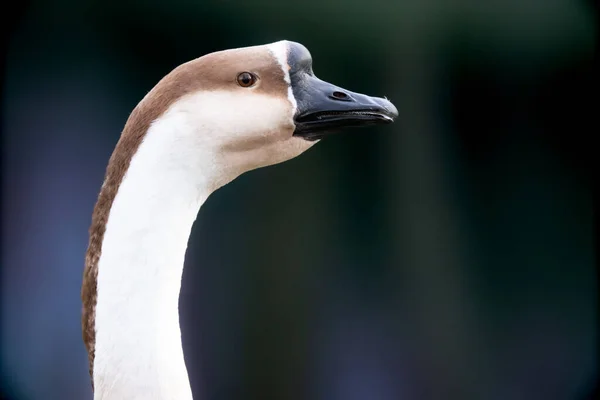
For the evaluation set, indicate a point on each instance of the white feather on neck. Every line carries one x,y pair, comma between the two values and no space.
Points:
201,143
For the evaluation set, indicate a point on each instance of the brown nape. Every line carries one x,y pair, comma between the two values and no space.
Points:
215,71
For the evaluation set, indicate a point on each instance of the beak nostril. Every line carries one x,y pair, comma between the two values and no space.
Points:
340,95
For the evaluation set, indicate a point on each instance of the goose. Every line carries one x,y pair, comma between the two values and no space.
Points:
205,123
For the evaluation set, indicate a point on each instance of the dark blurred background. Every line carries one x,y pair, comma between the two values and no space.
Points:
448,256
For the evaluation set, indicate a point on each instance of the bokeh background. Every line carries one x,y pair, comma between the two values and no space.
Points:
448,256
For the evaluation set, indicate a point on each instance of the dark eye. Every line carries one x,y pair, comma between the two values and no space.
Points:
246,79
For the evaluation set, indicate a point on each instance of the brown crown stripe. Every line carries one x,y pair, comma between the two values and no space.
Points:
211,72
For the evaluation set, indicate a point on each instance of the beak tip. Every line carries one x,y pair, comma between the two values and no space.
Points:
389,107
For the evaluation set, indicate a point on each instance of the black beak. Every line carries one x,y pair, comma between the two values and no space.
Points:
323,108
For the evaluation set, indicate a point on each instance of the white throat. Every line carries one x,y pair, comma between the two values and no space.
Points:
138,340
180,162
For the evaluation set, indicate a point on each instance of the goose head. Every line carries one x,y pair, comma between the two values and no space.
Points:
256,106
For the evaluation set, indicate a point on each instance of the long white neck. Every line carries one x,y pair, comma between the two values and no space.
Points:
188,153
138,339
